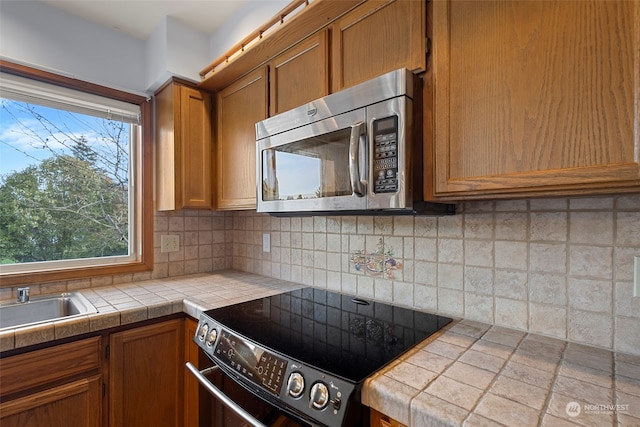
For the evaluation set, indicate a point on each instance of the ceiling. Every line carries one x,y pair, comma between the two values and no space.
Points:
138,18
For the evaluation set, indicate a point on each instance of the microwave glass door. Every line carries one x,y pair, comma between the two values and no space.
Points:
310,166
314,168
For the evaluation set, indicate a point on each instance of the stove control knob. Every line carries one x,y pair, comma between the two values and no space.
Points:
202,332
211,338
319,396
295,385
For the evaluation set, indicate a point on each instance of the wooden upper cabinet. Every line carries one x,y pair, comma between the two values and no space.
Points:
239,106
535,98
183,148
300,74
378,37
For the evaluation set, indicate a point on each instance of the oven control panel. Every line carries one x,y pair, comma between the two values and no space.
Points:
254,363
311,394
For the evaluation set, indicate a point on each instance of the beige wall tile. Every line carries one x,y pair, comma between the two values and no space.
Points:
548,319
511,312
593,261
589,327
590,295
627,334
595,228
548,288
478,226
548,226
548,258
511,255
511,225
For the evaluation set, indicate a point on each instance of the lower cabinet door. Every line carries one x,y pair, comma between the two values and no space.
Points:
74,404
146,376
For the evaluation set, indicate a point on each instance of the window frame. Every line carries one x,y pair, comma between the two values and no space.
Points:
143,185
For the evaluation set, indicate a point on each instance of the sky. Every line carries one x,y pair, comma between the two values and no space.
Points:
26,141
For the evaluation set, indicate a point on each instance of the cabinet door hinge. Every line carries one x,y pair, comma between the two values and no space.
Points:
104,389
107,352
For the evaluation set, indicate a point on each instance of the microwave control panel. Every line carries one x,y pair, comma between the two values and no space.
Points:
385,158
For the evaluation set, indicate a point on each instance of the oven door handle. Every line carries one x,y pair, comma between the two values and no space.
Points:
226,401
354,158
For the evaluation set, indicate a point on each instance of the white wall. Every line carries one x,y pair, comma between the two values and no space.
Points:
248,18
38,35
174,49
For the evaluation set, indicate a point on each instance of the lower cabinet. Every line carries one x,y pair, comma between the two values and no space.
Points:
75,404
379,419
146,375
54,386
132,377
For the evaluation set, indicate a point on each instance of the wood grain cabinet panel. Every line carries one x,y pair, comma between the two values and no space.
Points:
300,75
146,376
535,98
183,148
56,386
239,107
77,404
377,37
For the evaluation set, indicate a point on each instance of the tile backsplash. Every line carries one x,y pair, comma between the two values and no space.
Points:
561,267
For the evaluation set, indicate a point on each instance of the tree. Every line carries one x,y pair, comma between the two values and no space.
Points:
61,209
74,203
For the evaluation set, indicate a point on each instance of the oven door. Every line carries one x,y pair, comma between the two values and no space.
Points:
234,406
317,167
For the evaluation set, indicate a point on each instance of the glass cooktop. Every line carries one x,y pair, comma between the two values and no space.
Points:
340,334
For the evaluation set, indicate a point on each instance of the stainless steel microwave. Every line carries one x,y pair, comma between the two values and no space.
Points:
356,151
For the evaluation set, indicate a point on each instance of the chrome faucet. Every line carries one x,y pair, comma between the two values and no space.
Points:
23,295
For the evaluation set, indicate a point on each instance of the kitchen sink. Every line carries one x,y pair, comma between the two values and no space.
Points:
44,309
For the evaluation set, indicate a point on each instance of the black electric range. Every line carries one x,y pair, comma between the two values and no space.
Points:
308,351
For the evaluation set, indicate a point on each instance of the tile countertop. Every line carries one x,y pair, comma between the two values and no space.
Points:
469,373
134,302
474,374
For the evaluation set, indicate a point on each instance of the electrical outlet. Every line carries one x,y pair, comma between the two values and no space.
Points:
266,242
170,243
636,276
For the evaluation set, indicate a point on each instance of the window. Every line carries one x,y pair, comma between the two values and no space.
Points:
73,173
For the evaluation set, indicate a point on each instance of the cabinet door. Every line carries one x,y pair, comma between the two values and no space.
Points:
146,376
183,148
195,148
239,106
77,404
534,98
377,37
300,75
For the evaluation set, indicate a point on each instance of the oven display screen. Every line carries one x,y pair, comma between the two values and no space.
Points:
252,362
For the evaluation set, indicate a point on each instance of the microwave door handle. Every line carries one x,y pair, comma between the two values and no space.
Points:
354,154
